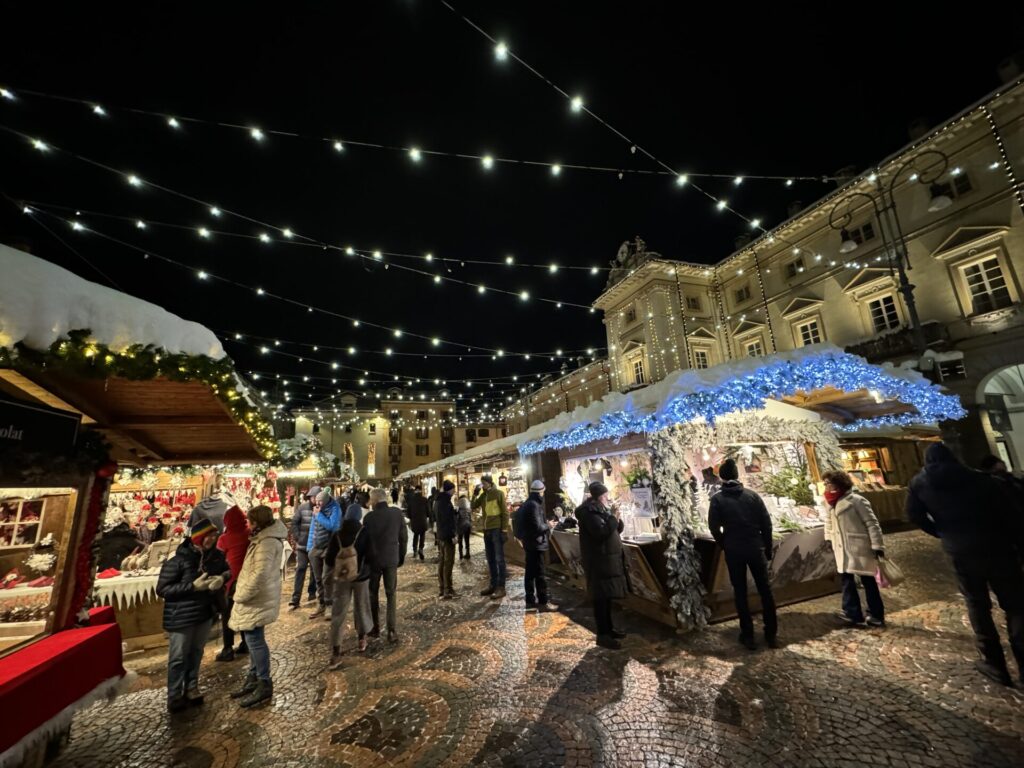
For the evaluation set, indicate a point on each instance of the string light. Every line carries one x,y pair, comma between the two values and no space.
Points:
338,146
288,234
204,232
140,224
98,110
6,94
173,123
415,154
256,133
215,211
487,162
577,103
134,180
556,169
264,237
500,51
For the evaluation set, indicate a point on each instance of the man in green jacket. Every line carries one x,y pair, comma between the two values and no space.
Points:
491,502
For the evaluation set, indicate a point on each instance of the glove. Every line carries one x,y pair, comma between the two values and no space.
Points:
880,553
202,583
215,583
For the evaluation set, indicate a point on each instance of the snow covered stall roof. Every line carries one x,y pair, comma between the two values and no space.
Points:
160,388
842,388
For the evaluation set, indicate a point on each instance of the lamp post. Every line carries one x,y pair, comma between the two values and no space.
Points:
926,167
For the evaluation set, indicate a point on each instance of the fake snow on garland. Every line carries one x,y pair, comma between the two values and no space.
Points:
41,562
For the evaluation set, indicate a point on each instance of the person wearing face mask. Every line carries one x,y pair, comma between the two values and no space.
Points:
601,554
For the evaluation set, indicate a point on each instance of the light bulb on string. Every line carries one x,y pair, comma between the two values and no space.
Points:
134,180
287,233
487,162
338,146
501,51
173,123
6,94
215,211
264,237
415,154
140,224
556,169
256,133
721,204
576,104
682,179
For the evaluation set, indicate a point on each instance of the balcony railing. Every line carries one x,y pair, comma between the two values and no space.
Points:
899,343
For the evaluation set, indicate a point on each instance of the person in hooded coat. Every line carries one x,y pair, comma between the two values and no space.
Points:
234,543
419,520
302,521
601,555
258,601
741,525
853,530
188,614
974,517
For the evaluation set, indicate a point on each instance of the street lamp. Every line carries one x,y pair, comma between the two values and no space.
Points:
928,166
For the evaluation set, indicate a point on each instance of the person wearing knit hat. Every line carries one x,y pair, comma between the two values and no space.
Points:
602,558
534,532
740,523
326,522
188,609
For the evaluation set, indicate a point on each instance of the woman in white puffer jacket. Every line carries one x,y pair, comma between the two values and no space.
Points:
257,601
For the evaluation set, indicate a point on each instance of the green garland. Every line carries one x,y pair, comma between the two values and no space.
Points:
78,356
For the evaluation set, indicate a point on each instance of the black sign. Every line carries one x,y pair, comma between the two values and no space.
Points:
998,414
36,427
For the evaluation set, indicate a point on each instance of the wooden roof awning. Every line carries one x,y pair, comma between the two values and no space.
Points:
158,421
841,407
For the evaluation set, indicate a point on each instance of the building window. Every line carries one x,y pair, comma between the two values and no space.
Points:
863,233
693,302
470,435
794,268
754,348
956,187
422,450
373,428
395,434
483,432
371,460
631,315
348,429
742,294
987,285
884,316
809,333
395,451
421,415
638,371
395,415
422,433
701,359
446,449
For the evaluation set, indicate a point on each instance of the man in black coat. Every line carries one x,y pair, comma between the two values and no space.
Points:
447,523
188,611
533,531
975,519
601,555
740,523
302,519
418,520
385,527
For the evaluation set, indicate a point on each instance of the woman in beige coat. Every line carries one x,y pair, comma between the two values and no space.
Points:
258,601
856,537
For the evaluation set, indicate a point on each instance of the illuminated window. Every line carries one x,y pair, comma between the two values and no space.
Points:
638,371
701,359
754,348
809,333
794,268
987,286
373,428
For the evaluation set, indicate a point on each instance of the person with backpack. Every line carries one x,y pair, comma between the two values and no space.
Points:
348,556
465,526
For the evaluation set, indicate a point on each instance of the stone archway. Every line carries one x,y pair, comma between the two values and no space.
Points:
1000,397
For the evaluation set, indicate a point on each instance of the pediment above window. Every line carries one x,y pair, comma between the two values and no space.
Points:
966,239
801,306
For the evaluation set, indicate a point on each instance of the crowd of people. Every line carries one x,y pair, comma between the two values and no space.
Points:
350,543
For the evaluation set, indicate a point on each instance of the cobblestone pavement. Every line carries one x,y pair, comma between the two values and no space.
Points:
478,683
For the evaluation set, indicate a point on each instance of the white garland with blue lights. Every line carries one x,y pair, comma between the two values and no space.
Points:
771,378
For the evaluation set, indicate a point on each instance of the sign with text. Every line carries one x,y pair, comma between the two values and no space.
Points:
36,427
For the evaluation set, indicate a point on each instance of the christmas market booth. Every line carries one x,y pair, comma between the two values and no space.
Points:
90,378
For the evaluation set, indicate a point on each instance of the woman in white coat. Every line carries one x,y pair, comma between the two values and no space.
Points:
852,528
257,601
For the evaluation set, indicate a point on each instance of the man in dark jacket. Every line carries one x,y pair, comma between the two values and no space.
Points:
418,520
115,545
601,554
740,523
188,611
385,526
533,531
973,516
447,524
302,519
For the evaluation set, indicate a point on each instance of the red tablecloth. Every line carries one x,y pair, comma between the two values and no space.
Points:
40,680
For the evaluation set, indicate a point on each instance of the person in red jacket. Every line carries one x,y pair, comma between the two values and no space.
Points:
234,542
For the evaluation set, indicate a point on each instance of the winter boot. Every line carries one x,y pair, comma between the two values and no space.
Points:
247,687
194,696
263,691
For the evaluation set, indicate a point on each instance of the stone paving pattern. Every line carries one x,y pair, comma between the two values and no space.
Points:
480,683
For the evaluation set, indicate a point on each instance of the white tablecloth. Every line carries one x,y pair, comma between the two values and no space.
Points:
124,591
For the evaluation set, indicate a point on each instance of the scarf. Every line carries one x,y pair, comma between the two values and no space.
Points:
832,497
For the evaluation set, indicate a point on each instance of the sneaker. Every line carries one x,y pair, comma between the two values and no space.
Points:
487,592
440,593
318,612
877,623
992,672
849,620
748,642
392,636
550,608
531,605
335,662
498,593
310,598
448,596
609,642
228,654
293,606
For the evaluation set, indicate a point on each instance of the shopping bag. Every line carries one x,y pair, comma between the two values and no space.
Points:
889,574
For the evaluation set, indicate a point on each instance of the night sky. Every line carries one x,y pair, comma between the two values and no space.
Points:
787,91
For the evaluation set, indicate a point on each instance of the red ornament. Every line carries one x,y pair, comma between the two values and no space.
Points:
107,470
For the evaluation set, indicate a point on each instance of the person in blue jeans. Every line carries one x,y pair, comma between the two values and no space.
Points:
188,615
491,503
302,520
